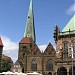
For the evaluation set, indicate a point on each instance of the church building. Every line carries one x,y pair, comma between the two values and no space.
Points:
51,61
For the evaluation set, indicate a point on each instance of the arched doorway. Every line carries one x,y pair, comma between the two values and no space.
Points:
22,70
70,71
49,73
62,71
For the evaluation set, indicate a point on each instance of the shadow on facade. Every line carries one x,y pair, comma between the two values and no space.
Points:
70,71
62,71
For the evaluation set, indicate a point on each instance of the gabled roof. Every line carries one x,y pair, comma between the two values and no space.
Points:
17,63
1,44
70,25
49,49
35,49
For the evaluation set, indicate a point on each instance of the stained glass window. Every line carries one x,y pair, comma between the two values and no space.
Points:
49,65
34,66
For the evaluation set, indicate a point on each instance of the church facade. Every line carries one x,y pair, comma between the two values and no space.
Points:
51,61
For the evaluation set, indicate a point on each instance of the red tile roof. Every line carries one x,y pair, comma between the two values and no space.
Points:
1,44
25,40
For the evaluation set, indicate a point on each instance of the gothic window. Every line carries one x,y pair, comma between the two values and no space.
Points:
65,49
49,65
34,66
73,46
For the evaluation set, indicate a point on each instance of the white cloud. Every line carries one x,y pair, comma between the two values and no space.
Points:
10,48
71,10
42,47
11,53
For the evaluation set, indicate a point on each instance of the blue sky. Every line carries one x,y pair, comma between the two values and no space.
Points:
47,13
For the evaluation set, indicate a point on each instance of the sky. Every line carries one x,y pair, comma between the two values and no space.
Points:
47,14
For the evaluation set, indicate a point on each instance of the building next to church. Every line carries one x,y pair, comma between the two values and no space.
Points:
1,50
51,61
16,67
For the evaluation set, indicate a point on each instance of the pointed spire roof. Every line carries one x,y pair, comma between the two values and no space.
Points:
70,25
30,29
1,44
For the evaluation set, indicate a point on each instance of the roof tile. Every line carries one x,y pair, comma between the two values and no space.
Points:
25,40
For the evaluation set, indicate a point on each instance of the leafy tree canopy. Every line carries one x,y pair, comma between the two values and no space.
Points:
5,65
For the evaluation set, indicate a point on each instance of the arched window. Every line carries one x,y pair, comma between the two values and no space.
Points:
49,65
49,73
73,45
65,49
34,66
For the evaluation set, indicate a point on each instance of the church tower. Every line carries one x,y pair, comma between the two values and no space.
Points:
28,39
1,49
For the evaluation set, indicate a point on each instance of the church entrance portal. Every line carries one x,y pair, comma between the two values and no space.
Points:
49,73
62,71
23,70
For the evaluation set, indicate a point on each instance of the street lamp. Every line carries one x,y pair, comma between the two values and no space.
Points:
72,59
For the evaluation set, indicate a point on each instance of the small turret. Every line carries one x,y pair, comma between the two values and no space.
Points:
56,33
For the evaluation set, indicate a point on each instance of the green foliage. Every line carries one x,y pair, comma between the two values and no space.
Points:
5,66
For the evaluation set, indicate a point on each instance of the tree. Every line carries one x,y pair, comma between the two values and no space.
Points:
5,65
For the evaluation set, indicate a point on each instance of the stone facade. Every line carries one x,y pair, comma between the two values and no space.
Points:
65,43
29,54
16,67
51,61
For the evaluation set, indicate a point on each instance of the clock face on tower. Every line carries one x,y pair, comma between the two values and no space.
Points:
28,35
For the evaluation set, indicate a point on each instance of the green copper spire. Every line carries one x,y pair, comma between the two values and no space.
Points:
70,25
30,29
